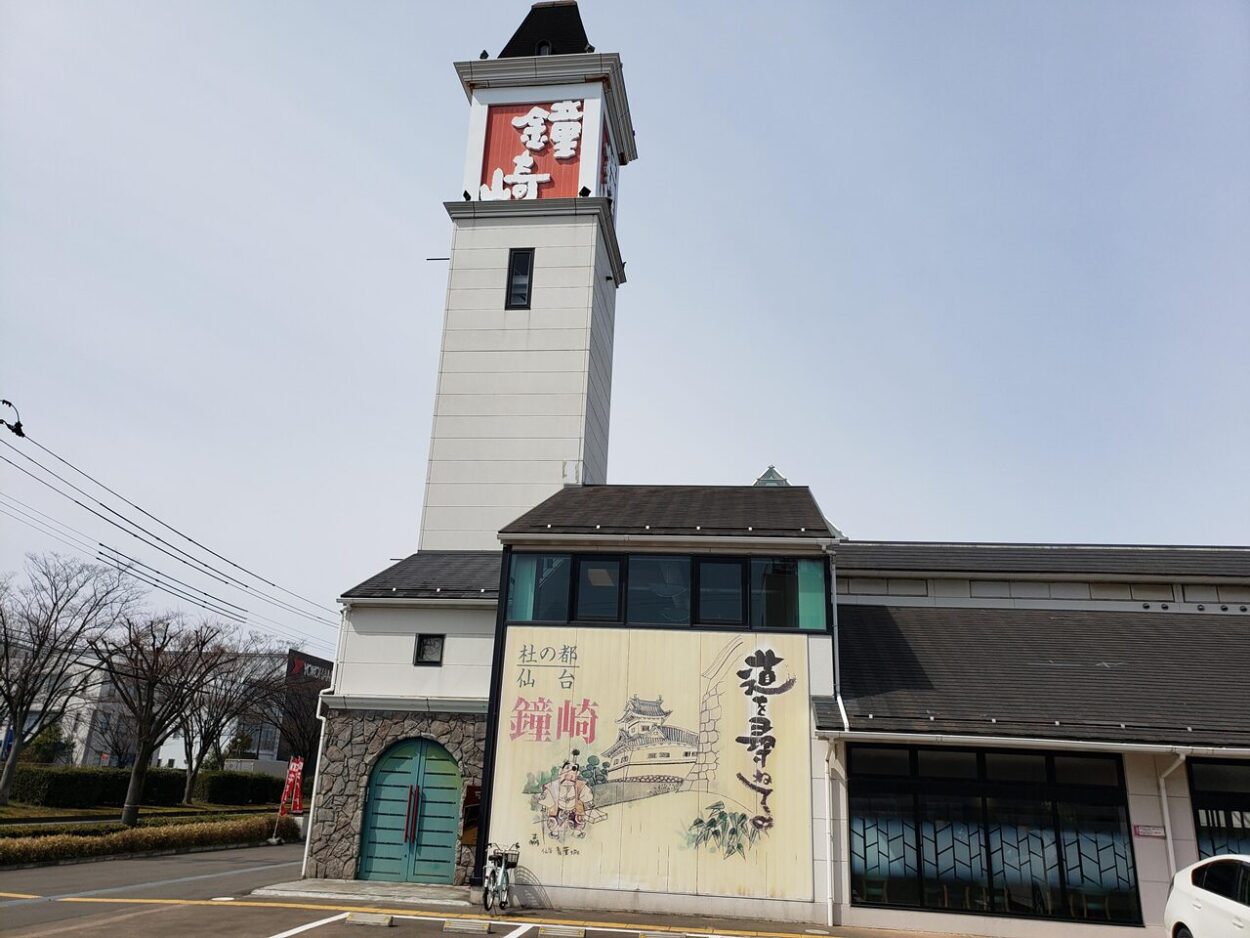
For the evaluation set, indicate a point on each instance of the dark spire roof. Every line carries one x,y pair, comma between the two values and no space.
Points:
551,28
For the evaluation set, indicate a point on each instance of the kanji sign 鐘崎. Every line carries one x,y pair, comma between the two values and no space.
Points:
532,151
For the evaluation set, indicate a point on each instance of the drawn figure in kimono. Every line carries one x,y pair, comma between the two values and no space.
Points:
567,802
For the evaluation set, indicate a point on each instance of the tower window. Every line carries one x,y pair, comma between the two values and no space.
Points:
543,48
520,278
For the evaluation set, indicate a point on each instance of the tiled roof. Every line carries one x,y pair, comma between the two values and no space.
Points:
1076,559
558,23
684,510
1126,676
436,574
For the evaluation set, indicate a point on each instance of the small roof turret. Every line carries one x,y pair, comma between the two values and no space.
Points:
550,28
771,477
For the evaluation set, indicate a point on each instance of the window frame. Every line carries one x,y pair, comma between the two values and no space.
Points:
1049,793
1208,799
575,585
513,254
697,621
416,650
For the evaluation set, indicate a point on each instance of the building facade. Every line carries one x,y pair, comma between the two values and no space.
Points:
706,699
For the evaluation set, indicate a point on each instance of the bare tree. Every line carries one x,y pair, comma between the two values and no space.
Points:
116,731
46,627
156,664
250,681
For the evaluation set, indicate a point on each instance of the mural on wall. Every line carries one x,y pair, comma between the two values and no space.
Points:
657,760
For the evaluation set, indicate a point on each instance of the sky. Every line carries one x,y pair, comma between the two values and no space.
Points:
972,271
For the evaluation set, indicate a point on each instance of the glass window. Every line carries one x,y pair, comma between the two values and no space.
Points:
1086,770
1015,767
720,591
1024,856
659,591
867,760
990,833
948,763
774,593
1220,792
520,277
429,650
952,851
599,588
1097,862
884,863
538,588
813,608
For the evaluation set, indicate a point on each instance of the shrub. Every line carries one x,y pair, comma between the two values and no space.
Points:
238,788
71,786
100,828
141,839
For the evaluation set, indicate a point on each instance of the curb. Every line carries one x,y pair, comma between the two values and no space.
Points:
96,818
325,894
173,851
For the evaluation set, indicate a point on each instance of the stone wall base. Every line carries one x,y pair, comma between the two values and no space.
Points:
354,739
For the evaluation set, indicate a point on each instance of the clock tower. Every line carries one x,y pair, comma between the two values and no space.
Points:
525,372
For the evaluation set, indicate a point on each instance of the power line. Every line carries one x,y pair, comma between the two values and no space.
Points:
170,527
190,560
152,581
86,541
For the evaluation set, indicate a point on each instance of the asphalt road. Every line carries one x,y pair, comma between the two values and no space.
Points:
202,894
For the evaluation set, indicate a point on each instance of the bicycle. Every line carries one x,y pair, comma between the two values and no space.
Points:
496,880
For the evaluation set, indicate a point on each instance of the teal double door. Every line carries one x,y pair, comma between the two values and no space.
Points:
411,823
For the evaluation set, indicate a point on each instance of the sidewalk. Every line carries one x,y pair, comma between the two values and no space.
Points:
455,902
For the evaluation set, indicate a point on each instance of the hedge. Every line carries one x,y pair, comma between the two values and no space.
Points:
100,828
69,786
14,850
238,788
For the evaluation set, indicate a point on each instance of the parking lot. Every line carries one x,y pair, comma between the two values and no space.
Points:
202,894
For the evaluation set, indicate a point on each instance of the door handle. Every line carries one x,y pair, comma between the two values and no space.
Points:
408,815
416,809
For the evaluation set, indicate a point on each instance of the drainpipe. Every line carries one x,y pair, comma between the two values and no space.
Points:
1167,816
837,652
829,744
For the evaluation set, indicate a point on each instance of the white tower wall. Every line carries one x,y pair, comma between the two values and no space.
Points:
523,395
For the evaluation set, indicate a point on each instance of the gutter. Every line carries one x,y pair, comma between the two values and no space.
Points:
1167,817
696,542
423,601
1033,742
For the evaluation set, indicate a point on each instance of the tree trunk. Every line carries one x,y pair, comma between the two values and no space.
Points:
192,769
10,768
134,792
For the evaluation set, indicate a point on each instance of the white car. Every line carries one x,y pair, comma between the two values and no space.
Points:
1210,899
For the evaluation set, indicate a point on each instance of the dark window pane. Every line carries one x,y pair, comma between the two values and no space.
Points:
598,589
520,273
947,763
1098,862
1015,767
1086,770
720,591
1024,857
883,850
429,649
1243,891
952,853
538,588
1218,776
659,591
774,593
870,761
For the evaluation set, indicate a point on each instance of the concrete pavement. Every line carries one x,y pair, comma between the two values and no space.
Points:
203,894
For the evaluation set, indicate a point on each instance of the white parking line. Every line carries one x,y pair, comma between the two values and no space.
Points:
518,932
311,925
